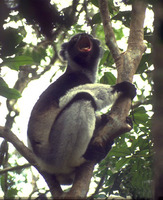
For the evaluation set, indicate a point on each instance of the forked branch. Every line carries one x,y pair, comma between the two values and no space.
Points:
127,64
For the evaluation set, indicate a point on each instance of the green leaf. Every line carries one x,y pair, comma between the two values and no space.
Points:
108,78
140,115
99,196
10,41
119,152
95,2
112,179
39,54
143,153
12,192
112,9
145,62
118,33
124,17
122,162
16,62
134,145
9,93
104,57
2,181
96,19
107,58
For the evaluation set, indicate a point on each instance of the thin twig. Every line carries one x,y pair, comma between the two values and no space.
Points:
19,167
23,150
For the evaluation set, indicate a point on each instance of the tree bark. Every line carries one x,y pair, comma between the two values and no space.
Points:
157,125
127,64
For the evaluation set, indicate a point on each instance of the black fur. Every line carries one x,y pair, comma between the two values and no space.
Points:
85,59
62,121
59,88
127,88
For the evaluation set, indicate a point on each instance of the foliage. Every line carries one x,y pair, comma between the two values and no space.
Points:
127,170
129,162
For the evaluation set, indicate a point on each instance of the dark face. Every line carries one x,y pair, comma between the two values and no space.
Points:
83,49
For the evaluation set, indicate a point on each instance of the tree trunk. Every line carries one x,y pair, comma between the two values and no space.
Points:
158,100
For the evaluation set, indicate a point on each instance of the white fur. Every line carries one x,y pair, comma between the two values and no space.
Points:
101,93
69,135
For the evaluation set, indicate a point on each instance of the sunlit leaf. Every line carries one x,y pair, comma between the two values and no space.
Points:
108,78
119,152
9,93
16,62
144,63
140,115
122,162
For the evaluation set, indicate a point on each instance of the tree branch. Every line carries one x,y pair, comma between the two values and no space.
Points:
136,47
53,184
19,167
127,64
108,30
130,60
23,150
81,185
82,180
